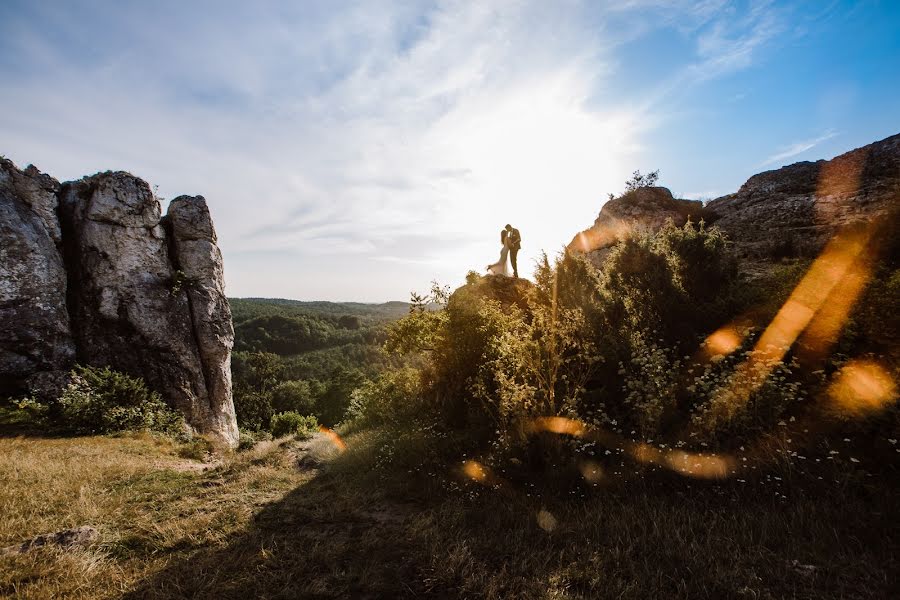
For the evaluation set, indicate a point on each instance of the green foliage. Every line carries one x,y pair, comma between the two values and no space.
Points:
179,281
292,423
306,357
638,181
287,335
255,376
603,347
391,398
332,405
197,448
298,396
103,401
247,439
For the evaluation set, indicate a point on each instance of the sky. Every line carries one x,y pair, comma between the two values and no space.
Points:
357,151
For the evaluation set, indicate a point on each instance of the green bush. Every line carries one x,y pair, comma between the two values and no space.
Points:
393,397
291,423
103,401
247,439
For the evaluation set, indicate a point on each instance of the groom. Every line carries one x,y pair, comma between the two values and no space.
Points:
514,239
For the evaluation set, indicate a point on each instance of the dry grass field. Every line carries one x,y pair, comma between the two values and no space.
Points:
292,519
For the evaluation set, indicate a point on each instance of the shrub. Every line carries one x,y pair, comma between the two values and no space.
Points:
103,401
247,439
292,423
638,180
392,397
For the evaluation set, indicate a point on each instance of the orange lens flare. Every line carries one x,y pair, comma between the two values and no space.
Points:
560,425
817,309
333,437
703,466
476,471
724,341
861,388
591,471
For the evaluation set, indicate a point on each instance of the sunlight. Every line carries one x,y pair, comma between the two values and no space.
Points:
535,156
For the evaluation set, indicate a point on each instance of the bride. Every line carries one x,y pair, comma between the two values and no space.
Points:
500,267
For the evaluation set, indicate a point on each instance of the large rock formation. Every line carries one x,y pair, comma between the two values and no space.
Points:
133,291
642,210
36,345
199,262
797,208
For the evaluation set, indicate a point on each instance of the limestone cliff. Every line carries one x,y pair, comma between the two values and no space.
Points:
93,273
36,344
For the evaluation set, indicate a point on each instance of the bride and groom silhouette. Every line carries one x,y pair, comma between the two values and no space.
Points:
511,241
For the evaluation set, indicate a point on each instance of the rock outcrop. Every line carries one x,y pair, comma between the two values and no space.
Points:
199,262
36,345
97,276
642,210
797,208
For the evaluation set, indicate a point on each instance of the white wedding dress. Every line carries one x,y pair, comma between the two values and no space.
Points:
501,267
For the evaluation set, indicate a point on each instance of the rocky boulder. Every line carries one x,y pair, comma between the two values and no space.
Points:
639,211
36,345
128,296
797,208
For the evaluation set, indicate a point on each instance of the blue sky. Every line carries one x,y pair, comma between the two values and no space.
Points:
357,151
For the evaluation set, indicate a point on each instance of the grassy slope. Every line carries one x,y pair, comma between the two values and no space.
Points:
257,526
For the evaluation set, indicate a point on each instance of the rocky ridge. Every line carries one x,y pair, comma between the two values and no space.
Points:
92,272
791,211
802,205
645,209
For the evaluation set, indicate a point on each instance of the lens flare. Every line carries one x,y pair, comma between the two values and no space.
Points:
861,388
818,308
724,341
703,466
475,471
591,471
546,520
560,425
334,438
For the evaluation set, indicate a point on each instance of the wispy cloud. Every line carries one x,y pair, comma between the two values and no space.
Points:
343,142
797,148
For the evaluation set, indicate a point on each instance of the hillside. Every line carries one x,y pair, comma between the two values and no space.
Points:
678,406
247,308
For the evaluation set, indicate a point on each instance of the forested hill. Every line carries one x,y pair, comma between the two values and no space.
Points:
305,357
244,309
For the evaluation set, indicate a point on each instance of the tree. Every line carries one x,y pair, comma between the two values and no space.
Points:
638,181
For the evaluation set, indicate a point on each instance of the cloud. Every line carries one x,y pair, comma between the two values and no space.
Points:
797,148
352,150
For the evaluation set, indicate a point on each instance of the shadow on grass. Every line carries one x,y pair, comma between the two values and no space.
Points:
343,534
